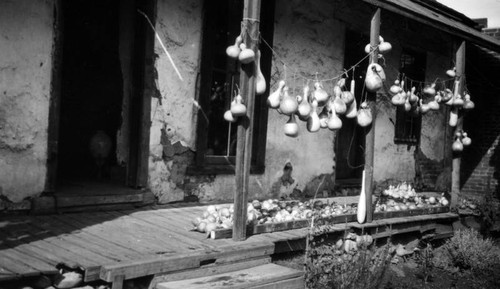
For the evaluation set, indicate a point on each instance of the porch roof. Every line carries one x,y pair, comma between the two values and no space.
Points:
441,17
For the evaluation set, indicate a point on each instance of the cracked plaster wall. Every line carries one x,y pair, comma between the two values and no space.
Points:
397,161
26,39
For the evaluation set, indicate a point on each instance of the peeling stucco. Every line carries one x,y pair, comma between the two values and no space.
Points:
26,39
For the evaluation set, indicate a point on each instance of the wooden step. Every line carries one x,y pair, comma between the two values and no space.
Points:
263,277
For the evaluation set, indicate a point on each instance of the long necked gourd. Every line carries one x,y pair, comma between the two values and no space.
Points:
407,104
395,88
375,77
361,213
304,109
313,124
233,51
413,96
320,94
364,115
348,95
434,104
260,81
237,106
291,128
451,72
289,103
352,110
453,117
273,101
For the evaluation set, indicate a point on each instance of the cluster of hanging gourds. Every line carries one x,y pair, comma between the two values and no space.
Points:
412,103
240,52
341,102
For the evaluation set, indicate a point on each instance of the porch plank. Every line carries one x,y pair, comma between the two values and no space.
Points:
24,259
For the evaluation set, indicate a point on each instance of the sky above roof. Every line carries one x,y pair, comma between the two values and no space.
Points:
477,9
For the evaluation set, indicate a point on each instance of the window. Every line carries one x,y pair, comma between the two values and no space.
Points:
216,138
412,69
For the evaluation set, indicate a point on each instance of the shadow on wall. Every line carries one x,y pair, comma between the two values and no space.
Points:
482,123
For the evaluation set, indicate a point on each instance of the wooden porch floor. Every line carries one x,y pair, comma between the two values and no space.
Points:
132,243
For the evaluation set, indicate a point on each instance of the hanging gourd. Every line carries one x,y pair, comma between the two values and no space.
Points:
424,108
237,106
352,110
361,211
228,116
375,77
339,106
430,90
468,104
384,47
341,82
260,81
407,104
466,141
348,95
457,145
434,104
288,104
364,115
291,127
323,117
451,72
458,101
337,91
320,94
399,99
413,96
233,51
334,122
273,101
246,55
313,124
395,88
305,108
453,117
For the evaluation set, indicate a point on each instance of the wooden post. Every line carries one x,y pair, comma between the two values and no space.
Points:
455,172
370,136
250,30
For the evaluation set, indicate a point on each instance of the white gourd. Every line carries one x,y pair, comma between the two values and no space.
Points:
364,115
288,104
352,110
334,122
273,101
304,109
468,104
228,116
237,106
234,50
375,76
291,128
320,94
361,213
246,55
313,124
323,118
466,141
457,145
260,81
453,117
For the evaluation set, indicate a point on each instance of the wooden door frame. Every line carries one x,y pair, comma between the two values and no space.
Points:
143,89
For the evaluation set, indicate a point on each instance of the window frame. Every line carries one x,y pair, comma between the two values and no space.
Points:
213,164
407,128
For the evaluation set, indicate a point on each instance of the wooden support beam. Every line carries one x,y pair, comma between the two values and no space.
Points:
460,77
251,16
370,136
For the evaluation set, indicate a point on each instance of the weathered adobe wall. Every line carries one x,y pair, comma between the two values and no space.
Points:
398,161
306,37
395,161
26,39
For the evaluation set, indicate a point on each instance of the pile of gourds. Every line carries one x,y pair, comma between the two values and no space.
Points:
268,211
403,197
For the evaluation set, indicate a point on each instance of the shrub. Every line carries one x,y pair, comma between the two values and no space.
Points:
331,267
467,250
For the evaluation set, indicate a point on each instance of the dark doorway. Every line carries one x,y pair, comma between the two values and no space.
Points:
351,138
97,126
